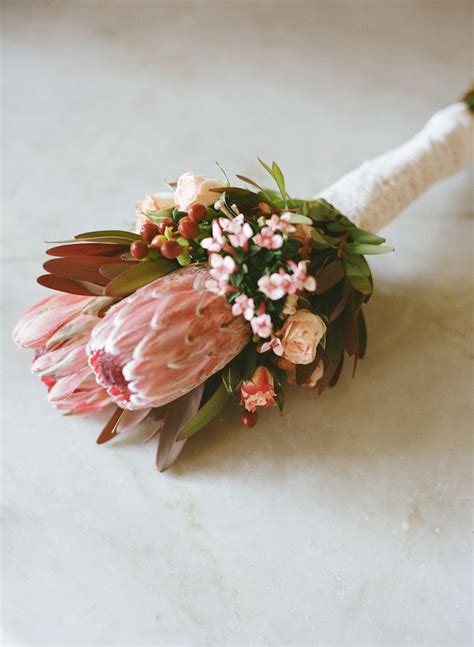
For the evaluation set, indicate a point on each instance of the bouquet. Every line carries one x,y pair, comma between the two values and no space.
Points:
224,292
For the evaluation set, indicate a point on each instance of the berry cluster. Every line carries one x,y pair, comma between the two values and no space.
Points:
170,236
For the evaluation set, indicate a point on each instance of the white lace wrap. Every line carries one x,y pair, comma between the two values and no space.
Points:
373,194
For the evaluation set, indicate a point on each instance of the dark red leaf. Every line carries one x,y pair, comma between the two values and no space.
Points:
87,249
80,268
110,429
64,285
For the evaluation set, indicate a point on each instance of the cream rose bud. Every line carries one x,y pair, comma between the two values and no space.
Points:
302,333
195,189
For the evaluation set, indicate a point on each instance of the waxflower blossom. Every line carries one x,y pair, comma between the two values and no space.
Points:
299,279
243,306
267,239
258,391
262,325
217,242
281,223
274,286
274,344
222,268
238,231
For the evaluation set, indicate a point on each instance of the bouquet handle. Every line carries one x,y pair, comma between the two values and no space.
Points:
381,188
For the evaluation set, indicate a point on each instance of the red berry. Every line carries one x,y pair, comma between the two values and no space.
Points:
249,419
170,249
148,231
166,222
158,241
197,213
188,228
139,249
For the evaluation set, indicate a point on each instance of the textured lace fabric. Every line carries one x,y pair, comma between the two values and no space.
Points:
373,194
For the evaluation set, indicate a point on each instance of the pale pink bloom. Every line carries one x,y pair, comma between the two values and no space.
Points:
274,286
274,344
268,239
164,340
221,265
238,231
221,269
217,242
301,333
259,390
281,223
58,328
299,279
218,286
195,189
243,306
262,325
151,204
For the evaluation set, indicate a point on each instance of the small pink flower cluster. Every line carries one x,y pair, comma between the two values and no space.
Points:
268,238
277,285
238,233
221,269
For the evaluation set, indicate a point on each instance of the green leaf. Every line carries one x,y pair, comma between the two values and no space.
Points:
267,168
362,334
138,276
334,341
318,238
280,180
206,413
358,261
296,219
362,236
322,210
249,360
360,248
108,233
357,277
329,276
223,173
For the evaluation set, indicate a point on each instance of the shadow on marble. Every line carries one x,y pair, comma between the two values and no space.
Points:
387,410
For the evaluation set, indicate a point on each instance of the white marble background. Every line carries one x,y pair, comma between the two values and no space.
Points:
344,522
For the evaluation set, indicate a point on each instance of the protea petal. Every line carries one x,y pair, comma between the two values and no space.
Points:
164,340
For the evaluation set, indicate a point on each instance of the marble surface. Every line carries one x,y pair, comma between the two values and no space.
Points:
346,521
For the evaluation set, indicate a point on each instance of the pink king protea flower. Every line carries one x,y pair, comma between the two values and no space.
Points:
58,329
164,340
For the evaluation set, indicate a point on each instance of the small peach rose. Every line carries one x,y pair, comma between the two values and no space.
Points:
259,391
195,189
302,332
